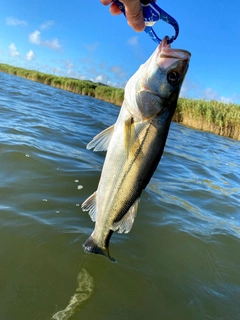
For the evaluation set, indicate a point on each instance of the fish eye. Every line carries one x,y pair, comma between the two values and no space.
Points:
173,77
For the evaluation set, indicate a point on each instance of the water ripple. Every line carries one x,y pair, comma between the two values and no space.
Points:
183,246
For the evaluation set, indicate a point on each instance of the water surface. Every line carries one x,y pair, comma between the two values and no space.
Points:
180,261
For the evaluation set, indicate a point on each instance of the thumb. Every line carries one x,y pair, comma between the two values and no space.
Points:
134,14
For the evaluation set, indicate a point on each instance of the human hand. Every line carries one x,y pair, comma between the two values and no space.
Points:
133,10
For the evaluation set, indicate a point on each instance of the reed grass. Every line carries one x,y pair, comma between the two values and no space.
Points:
213,116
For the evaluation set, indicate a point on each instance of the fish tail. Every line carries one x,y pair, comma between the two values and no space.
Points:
91,246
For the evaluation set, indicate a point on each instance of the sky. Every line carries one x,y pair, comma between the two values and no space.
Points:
81,39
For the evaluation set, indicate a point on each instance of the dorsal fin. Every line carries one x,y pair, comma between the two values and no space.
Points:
101,141
126,223
90,205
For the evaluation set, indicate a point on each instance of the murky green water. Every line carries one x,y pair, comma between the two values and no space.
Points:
180,261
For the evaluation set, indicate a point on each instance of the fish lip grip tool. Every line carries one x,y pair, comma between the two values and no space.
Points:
152,13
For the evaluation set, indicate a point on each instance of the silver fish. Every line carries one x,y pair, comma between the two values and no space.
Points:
134,144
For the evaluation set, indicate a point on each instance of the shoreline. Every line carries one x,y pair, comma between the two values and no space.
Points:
210,116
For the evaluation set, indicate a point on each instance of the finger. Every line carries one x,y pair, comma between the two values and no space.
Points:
114,9
134,14
105,2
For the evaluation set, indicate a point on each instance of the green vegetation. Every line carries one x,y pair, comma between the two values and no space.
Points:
212,116
85,87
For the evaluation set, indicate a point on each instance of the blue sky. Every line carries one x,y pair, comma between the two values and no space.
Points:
81,39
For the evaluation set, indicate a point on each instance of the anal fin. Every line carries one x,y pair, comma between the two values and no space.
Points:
90,205
126,223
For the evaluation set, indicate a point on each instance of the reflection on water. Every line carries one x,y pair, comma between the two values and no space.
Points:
82,293
180,260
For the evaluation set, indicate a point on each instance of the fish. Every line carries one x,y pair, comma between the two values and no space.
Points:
134,144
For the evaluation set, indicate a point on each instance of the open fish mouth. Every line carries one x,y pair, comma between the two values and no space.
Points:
169,53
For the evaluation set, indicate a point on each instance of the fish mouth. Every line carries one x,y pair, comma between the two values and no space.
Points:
167,56
165,51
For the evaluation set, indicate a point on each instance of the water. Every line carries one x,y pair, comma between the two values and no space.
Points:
180,261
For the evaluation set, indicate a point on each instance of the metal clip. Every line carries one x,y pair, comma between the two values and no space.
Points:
151,14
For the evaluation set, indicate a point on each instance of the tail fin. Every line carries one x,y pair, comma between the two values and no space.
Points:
91,246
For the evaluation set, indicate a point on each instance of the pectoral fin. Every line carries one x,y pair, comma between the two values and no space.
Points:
101,141
126,223
128,134
134,132
90,205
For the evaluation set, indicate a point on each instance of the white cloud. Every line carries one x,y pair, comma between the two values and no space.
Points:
133,41
30,55
70,69
100,78
210,94
92,47
114,75
195,90
119,72
46,25
68,64
35,38
13,50
116,69
52,44
225,100
73,74
11,21
234,98
56,70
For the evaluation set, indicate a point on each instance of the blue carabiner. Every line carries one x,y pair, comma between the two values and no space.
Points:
151,14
